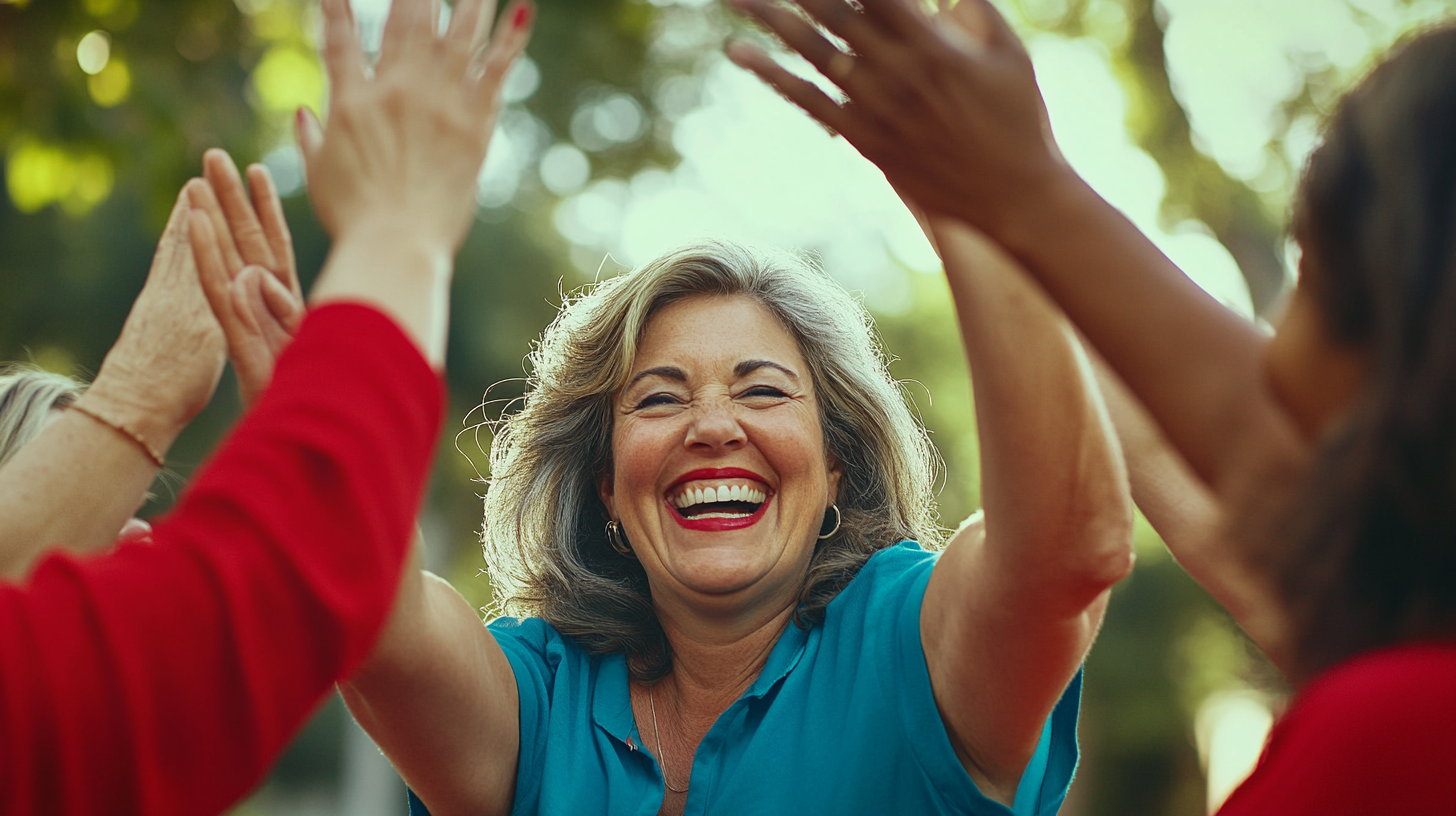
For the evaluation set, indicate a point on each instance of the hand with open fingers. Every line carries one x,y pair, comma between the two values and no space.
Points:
945,104
232,233
164,367
402,148
257,311
248,223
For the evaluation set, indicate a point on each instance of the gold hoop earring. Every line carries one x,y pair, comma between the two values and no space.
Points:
617,540
838,520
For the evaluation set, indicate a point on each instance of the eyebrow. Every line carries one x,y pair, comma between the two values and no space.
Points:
747,367
668,372
743,369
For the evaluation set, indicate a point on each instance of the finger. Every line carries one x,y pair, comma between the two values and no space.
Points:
247,233
211,272
286,309
469,25
898,17
841,20
204,199
275,227
506,46
795,88
174,235
343,55
253,361
799,35
173,246
406,29
247,298
981,18
310,137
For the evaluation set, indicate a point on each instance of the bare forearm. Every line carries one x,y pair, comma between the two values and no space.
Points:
438,696
1189,519
1192,362
1055,490
73,486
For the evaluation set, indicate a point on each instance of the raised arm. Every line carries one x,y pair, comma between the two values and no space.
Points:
164,679
1188,518
79,481
437,694
1017,598
948,107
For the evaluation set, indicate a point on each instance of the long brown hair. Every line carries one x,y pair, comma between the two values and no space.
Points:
545,541
1372,559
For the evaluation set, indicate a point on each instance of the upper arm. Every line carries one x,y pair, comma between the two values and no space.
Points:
439,697
1013,604
998,664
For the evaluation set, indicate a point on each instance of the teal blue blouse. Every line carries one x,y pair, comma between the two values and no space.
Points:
841,720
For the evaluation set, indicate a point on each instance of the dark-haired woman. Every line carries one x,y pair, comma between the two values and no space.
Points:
1330,448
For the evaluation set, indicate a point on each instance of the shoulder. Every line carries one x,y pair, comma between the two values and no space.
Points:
532,645
1387,715
899,566
1405,687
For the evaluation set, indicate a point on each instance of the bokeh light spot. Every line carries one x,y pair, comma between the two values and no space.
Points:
92,180
287,77
93,52
38,174
112,85
564,169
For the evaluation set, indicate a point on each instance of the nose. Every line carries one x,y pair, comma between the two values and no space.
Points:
714,427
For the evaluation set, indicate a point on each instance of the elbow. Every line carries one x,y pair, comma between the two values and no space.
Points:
1105,553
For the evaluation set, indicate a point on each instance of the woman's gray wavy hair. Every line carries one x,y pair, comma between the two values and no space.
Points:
27,395
544,539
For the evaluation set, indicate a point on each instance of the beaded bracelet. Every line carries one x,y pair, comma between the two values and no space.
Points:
125,430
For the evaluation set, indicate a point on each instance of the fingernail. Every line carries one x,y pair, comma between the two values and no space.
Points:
523,16
298,119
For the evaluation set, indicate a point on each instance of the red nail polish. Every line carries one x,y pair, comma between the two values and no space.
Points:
523,16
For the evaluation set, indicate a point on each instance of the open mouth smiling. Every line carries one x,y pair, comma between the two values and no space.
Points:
718,499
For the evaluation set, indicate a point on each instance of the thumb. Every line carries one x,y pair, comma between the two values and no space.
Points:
284,306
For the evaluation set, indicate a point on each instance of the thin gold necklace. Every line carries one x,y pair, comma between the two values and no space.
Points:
662,758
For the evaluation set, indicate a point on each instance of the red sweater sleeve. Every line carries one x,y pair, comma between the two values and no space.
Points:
1374,735
163,679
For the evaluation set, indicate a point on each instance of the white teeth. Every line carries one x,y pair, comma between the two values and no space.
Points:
720,493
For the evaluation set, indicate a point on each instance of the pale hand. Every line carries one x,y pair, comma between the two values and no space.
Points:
402,148
246,264
164,367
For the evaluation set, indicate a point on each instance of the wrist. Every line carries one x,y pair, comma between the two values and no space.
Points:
150,426
396,234
1048,205
402,272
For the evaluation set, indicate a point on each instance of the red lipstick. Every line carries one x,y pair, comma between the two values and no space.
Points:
717,473
715,525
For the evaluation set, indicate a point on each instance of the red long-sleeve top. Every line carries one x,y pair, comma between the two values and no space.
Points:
164,678
1375,735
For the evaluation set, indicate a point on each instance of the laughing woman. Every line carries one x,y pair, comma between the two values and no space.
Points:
714,520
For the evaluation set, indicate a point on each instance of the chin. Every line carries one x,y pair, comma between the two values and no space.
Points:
722,571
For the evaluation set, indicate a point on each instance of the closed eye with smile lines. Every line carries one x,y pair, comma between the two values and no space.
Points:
715,499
